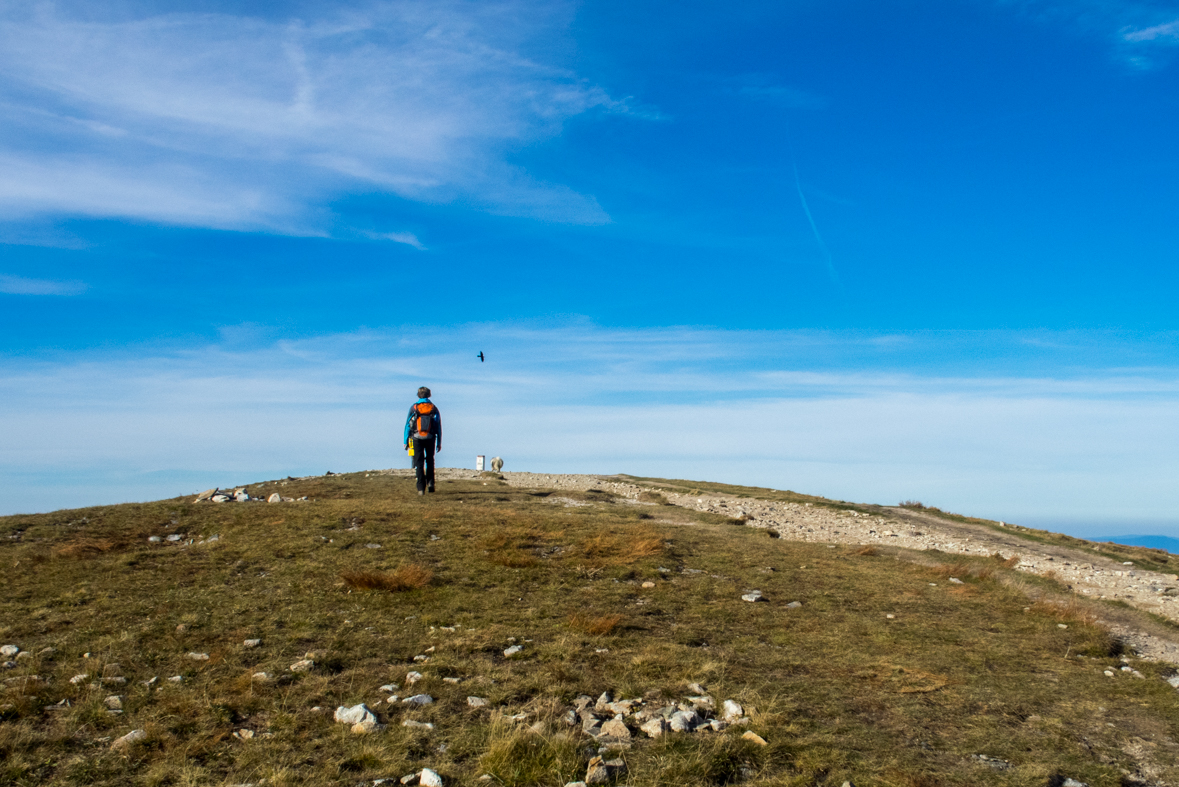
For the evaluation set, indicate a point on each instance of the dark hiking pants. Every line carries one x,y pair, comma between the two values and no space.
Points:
423,463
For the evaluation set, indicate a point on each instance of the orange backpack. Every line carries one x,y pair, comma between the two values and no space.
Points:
423,422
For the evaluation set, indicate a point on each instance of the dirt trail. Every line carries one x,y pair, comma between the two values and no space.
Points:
1088,575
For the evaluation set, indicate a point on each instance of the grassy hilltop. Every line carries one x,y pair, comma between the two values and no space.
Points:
887,674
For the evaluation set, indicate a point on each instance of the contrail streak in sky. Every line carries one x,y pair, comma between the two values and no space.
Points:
819,238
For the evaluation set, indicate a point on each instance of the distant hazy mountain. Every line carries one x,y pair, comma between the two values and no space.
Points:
1155,542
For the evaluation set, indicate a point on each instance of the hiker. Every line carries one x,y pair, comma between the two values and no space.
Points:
424,427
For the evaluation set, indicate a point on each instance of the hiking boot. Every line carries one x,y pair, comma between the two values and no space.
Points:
420,493
430,490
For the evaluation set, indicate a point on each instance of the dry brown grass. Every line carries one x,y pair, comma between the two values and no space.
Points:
84,547
597,625
648,496
867,552
614,550
958,569
1072,610
408,577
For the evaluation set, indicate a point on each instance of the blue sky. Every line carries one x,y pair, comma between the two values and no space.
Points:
921,250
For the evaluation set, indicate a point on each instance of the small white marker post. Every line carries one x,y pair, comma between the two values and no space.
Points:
479,462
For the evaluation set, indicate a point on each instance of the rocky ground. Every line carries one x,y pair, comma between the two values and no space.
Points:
1086,574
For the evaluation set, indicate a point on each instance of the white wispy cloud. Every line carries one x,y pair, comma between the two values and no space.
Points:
1168,32
748,407
1141,32
234,121
18,285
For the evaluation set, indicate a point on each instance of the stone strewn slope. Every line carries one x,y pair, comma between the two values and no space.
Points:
1086,574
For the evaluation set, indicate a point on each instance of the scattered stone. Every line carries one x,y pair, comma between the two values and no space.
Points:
128,740
451,680
603,703
263,677
750,735
1174,681
703,701
115,681
602,771
206,495
753,595
476,702
794,605
421,658
648,584
154,539
655,727
172,539
418,699
409,779
956,581
243,734
718,725
47,653
1074,782
575,784
114,702
241,496
616,730
372,546
220,498
412,678
302,666
685,720
731,711
429,778
992,762
423,725
274,498
1109,673
390,687
79,678
176,679
696,688
356,714
251,643
512,651
198,656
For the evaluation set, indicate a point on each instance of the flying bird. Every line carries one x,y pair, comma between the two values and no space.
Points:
480,356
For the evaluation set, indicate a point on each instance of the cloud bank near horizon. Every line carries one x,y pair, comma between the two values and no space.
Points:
246,123
673,403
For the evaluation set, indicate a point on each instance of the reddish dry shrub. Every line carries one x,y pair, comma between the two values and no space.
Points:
84,547
867,552
409,577
595,624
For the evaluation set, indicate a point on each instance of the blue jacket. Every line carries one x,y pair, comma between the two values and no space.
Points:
436,429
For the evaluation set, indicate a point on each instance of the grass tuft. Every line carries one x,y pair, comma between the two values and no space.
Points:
84,547
410,577
597,625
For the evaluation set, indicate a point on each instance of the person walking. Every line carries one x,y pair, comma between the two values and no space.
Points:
424,427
